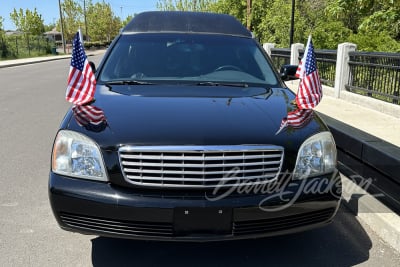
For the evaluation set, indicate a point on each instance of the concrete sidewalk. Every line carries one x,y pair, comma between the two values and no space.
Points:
369,120
366,117
385,223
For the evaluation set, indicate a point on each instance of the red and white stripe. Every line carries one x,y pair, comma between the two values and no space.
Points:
81,79
296,119
88,114
310,88
310,91
81,85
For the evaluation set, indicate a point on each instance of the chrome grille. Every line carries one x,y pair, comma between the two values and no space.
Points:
200,166
119,227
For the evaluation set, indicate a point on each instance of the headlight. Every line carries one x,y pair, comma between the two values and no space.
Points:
78,156
316,156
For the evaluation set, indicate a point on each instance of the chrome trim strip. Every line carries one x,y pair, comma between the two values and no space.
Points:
232,148
189,186
202,165
198,158
196,172
197,179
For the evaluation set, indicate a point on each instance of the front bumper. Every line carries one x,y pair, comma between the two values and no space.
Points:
103,209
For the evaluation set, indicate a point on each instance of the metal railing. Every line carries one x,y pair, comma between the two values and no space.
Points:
326,62
372,74
280,57
375,75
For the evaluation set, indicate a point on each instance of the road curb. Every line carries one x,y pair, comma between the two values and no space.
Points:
28,61
368,209
373,202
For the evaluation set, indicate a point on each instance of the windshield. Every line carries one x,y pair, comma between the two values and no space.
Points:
187,59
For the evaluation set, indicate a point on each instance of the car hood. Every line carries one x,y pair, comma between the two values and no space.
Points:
193,115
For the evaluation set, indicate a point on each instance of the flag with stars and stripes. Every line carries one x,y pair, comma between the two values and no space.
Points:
81,79
296,119
310,89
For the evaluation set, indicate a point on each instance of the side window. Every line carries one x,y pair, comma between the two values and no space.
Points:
263,66
118,63
248,63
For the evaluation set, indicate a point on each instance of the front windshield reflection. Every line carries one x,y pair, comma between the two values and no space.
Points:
187,57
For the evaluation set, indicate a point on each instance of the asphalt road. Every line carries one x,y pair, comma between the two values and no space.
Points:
31,107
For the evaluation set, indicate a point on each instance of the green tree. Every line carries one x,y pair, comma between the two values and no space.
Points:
383,21
73,18
29,22
375,41
270,19
103,25
371,24
185,5
49,27
275,24
259,7
368,15
347,11
236,8
329,34
375,24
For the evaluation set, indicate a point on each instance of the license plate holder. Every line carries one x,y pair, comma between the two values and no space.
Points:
202,220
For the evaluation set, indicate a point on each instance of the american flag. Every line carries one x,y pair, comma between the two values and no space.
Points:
296,119
310,89
81,80
90,117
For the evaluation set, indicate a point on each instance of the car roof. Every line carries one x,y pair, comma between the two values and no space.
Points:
186,22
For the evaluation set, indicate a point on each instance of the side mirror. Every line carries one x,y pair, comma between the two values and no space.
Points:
93,66
288,72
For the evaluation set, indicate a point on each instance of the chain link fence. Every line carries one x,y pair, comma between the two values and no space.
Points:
21,46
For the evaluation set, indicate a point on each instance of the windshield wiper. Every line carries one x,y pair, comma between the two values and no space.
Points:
127,82
244,85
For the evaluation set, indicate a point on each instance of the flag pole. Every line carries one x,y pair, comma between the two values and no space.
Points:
80,35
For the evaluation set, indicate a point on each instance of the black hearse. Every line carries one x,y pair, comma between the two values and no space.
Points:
186,143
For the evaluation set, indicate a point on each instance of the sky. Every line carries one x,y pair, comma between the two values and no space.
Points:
50,12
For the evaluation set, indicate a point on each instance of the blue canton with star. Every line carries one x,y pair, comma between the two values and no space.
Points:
78,55
311,63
